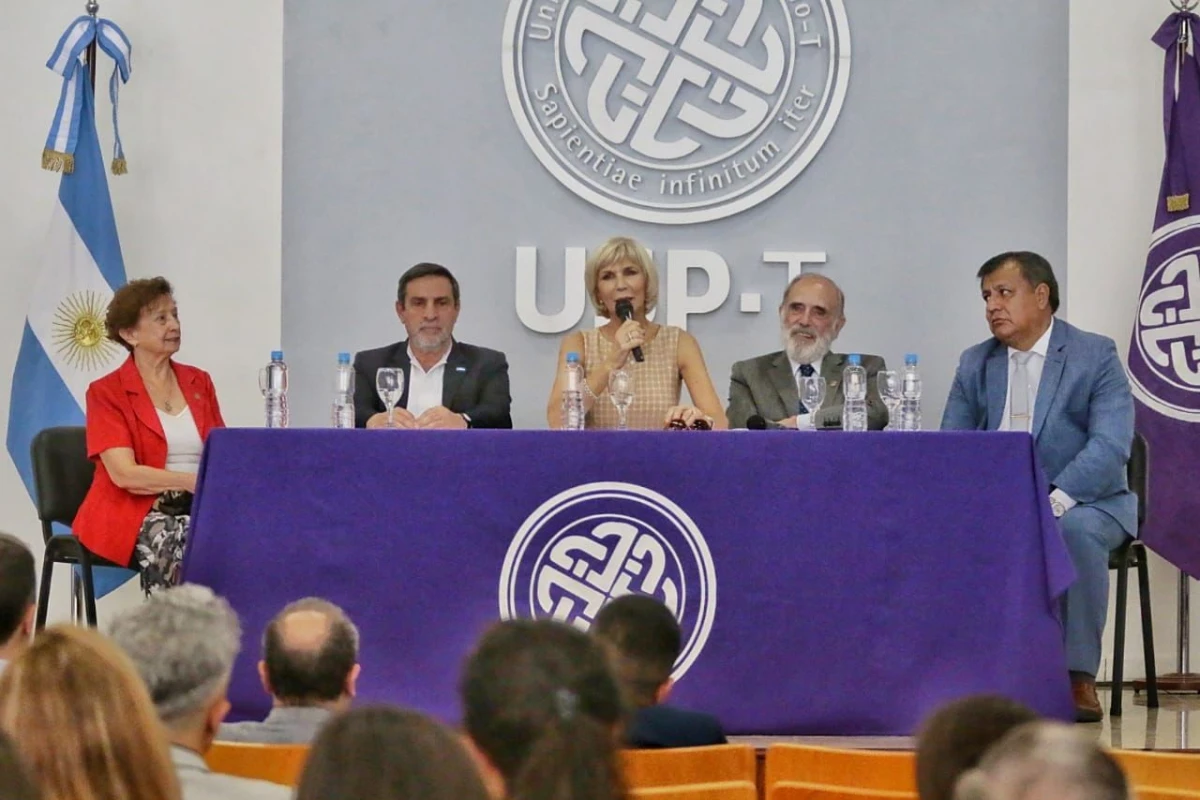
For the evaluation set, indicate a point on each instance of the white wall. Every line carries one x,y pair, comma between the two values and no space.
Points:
201,121
1115,160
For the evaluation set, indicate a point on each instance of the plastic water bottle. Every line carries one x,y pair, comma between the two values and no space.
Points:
910,395
854,386
343,394
273,380
572,402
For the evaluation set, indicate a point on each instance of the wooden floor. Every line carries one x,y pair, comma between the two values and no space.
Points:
1174,725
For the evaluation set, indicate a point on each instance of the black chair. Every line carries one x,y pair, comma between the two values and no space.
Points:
1133,554
62,474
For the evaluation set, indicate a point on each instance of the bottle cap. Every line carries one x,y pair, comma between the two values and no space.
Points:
572,357
343,358
855,359
910,358
277,355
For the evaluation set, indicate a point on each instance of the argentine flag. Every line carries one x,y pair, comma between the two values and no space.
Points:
64,347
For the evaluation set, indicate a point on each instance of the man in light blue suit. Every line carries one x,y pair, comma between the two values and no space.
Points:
1068,389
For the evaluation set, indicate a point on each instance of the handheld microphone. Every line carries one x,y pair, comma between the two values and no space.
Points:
624,310
756,423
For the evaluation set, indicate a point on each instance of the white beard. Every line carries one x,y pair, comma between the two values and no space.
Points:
806,353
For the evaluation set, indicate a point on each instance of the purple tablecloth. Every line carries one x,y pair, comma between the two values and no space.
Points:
827,583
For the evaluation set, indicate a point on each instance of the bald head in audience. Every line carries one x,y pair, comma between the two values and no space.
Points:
310,656
1045,761
954,738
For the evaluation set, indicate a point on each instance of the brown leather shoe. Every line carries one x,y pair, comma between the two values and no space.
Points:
1087,704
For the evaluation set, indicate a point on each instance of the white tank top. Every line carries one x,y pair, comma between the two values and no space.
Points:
183,441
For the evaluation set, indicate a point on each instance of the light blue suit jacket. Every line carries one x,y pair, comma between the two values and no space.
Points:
1082,417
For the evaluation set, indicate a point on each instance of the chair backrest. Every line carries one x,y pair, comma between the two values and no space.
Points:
725,790
797,790
889,770
62,473
1160,770
645,769
1155,793
1138,473
277,763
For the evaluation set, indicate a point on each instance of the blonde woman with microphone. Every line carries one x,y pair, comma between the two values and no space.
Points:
622,281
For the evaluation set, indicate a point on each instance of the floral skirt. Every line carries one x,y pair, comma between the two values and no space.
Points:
158,552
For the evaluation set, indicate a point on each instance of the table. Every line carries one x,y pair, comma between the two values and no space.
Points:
827,583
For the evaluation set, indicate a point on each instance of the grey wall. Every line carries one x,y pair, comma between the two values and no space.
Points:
399,147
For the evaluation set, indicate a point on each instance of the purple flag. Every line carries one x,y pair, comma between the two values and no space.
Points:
1164,354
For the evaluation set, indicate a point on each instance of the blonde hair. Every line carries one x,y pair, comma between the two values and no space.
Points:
83,720
617,250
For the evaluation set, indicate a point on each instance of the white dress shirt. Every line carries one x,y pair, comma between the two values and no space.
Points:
803,421
1033,367
183,440
425,388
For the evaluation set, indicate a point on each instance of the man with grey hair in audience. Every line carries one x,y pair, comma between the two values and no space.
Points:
309,667
183,642
1045,761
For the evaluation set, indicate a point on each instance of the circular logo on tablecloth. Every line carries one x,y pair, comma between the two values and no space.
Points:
595,542
1164,362
676,111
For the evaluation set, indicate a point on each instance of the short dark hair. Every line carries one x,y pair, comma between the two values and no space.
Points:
956,736
383,752
647,639
128,303
1034,268
540,701
424,270
18,584
303,677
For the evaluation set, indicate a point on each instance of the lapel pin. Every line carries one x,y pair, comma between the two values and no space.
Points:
460,369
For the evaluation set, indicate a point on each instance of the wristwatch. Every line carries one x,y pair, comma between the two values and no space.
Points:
466,418
1056,507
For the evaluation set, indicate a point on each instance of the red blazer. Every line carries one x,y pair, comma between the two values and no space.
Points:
120,414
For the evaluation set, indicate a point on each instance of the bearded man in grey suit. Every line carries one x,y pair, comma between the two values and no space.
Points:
811,316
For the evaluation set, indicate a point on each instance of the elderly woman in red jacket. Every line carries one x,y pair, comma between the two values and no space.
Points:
146,426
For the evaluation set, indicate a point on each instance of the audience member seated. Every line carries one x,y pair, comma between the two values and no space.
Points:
309,667
384,753
1045,761
82,721
647,640
954,738
18,597
183,641
15,781
542,710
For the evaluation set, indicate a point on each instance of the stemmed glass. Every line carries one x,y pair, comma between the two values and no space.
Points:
620,392
389,384
812,395
891,389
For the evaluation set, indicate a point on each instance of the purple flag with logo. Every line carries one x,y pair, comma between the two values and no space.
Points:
1164,354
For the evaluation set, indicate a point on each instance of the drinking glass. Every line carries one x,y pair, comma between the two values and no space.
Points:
620,392
891,389
812,394
389,383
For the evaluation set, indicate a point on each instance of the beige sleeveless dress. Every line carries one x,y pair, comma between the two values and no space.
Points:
656,381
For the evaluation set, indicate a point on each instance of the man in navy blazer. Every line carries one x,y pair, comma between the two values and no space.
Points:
646,639
447,384
1068,389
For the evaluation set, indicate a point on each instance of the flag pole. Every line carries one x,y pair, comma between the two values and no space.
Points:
92,8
